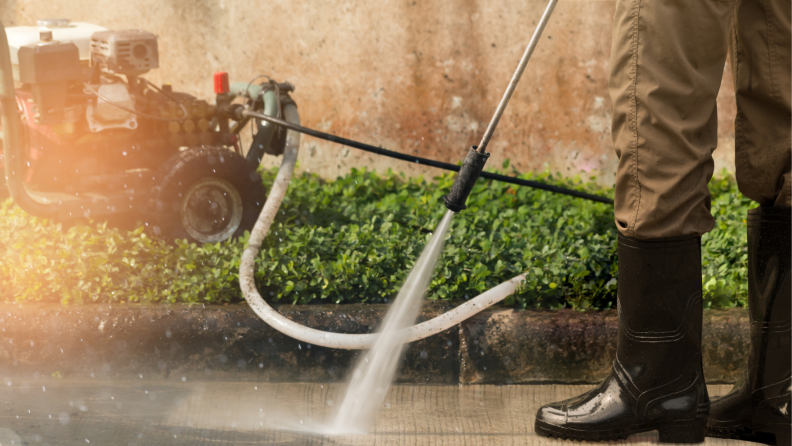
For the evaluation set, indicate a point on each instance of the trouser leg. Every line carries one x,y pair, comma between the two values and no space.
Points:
759,45
667,61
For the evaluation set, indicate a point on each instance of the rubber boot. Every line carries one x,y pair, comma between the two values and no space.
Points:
657,381
758,407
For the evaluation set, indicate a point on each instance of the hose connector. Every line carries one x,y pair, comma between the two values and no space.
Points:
466,179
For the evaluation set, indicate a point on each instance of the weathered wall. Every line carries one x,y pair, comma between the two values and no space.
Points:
417,76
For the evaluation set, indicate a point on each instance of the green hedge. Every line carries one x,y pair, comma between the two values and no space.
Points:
354,240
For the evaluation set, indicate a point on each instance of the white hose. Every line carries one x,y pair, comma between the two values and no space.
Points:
324,338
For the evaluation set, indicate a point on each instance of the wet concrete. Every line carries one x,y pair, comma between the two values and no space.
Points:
498,346
152,413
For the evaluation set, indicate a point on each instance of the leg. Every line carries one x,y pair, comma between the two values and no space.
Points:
760,47
759,43
667,62
657,379
758,405
666,66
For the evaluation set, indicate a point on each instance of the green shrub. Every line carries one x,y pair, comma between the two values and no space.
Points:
354,240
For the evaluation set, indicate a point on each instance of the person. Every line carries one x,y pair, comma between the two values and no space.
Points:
667,62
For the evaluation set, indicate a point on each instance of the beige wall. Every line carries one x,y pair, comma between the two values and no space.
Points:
416,76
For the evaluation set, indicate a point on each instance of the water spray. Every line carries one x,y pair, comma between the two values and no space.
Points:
455,201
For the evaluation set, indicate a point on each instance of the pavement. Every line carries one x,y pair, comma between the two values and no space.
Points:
51,411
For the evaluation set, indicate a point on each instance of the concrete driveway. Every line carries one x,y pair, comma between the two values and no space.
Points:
41,411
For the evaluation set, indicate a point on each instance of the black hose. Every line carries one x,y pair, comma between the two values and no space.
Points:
432,163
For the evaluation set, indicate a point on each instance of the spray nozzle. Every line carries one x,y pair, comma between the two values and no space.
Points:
466,179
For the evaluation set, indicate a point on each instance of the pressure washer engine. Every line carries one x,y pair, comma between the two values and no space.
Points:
96,138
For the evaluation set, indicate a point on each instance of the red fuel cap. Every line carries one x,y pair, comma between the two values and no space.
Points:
221,82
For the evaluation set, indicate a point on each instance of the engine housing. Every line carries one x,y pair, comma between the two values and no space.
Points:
130,51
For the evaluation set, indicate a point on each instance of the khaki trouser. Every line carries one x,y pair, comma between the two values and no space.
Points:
667,61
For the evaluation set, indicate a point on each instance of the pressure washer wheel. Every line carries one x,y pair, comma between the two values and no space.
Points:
205,195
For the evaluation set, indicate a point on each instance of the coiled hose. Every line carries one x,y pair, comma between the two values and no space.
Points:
323,338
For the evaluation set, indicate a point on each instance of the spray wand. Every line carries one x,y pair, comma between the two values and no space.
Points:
478,155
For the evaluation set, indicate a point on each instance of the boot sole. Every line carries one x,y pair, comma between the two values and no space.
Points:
687,431
775,436
743,434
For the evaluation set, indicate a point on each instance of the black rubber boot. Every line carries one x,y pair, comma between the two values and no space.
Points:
758,407
656,382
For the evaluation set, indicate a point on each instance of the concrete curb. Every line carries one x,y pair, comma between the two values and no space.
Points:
498,346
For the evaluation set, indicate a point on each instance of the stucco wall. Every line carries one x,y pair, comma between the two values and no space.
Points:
417,76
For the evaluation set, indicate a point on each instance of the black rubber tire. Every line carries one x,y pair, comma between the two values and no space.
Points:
187,168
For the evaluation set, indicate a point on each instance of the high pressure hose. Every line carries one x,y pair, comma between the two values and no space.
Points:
12,146
324,338
471,169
